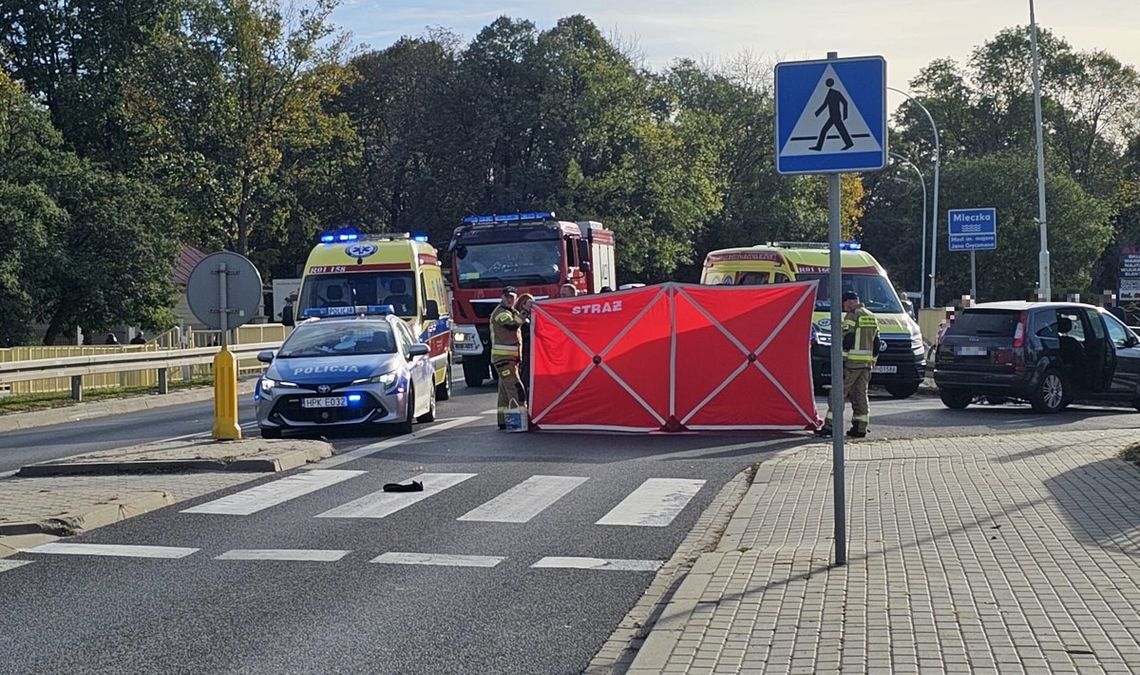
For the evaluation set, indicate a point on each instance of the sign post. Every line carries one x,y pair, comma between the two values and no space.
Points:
223,292
973,230
831,118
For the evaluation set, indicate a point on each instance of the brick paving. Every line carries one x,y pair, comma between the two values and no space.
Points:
998,554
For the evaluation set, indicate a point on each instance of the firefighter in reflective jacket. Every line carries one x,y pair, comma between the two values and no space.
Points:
506,351
860,347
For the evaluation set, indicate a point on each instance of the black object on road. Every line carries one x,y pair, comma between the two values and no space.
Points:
415,486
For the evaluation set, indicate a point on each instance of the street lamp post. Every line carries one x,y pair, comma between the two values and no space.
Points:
1045,292
922,255
934,215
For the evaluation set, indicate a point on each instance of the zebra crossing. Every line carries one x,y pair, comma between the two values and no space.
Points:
655,502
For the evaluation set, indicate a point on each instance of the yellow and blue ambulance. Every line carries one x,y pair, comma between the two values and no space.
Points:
349,269
901,364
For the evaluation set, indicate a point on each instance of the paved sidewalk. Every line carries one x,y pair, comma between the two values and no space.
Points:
1007,553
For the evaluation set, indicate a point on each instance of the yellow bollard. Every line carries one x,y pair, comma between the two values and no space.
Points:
226,427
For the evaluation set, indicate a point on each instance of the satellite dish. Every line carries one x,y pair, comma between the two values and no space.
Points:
224,291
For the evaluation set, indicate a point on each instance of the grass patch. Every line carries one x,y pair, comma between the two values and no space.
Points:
1131,454
62,399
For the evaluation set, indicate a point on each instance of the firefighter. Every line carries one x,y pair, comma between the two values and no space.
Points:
506,351
860,347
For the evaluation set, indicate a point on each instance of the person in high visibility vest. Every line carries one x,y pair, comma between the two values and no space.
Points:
506,352
860,347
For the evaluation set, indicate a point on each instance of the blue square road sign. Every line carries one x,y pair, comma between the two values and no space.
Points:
972,229
831,115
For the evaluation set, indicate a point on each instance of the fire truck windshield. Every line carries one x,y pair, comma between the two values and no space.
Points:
517,262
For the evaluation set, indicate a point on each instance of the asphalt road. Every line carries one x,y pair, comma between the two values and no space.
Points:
467,595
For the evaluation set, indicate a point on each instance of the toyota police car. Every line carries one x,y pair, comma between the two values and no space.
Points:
346,366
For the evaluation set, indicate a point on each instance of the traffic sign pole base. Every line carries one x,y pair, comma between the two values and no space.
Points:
226,427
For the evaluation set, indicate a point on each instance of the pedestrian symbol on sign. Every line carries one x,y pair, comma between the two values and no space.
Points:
833,103
830,116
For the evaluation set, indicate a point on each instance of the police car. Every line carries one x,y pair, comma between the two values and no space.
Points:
346,366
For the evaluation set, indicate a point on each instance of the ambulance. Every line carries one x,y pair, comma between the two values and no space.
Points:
900,367
349,269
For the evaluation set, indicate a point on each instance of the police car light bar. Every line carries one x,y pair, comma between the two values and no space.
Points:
509,217
358,310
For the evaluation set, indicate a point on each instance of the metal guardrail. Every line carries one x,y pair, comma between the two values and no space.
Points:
76,367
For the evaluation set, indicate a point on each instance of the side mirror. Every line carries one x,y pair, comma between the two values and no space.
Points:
431,310
1131,341
418,349
585,266
266,356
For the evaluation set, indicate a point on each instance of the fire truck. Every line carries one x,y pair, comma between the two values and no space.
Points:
536,253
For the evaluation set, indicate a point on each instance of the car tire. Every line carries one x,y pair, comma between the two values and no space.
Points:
1051,395
270,432
429,416
955,399
443,390
405,427
474,372
902,389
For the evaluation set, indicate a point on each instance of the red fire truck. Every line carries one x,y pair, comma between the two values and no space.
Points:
534,252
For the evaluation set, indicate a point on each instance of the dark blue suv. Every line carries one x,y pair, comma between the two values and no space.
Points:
1047,353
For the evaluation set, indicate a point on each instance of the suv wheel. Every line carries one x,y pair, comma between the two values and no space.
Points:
954,399
902,389
1051,394
443,389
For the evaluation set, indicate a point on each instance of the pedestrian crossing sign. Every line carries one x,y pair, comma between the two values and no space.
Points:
831,115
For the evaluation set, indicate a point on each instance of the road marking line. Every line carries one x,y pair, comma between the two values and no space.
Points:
6,565
438,559
615,564
303,555
492,411
385,445
380,504
655,504
525,500
119,550
273,493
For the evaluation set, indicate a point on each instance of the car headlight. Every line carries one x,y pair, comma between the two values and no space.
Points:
267,385
386,379
460,337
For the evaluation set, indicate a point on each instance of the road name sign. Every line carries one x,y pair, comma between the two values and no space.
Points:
831,115
973,229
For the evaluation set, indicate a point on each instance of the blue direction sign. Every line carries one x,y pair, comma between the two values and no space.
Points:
973,229
831,115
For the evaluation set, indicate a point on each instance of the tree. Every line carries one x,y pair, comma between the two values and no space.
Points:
228,87
80,246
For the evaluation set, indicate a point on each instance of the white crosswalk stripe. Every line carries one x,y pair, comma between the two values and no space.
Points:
613,564
380,504
299,555
655,504
274,492
525,500
6,565
438,559
115,550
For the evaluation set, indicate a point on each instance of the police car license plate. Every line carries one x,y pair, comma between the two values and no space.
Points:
325,402
886,369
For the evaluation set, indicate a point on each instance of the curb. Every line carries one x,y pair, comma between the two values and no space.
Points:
118,507
84,411
284,462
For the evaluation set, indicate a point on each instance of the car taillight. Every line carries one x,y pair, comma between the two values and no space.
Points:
1019,333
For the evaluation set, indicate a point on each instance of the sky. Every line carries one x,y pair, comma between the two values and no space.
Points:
908,33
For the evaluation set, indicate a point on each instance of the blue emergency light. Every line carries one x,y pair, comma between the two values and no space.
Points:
358,310
850,246
509,217
420,236
333,236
